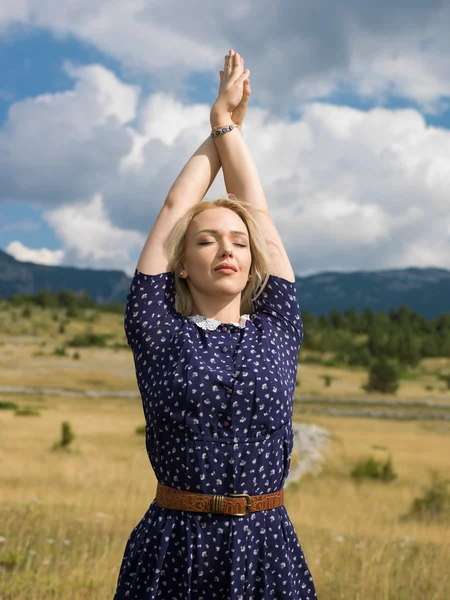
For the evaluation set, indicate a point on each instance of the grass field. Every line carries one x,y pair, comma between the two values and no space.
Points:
65,516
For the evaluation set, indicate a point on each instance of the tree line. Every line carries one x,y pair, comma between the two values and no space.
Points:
356,338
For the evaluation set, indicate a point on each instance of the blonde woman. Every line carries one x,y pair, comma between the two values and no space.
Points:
214,324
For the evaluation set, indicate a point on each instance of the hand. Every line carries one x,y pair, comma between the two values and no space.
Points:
237,116
231,89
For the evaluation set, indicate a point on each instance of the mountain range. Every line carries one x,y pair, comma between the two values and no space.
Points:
424,290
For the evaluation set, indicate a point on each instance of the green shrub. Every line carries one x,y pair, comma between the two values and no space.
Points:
445,378
374,469
327,379
120,346
359,357
9,560
4,405
337,362
60,351
27,412
67,436
435,501
140,430
88,338
312,359
72,312
383,377
76,356
26,312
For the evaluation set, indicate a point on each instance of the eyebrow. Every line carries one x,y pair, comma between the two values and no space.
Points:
215,231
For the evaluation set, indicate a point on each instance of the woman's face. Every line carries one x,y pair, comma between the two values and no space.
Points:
228,241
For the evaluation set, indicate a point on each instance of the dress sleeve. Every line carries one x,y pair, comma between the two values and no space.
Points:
150,302
278,302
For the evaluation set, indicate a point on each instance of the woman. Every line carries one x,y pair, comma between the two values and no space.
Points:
216,385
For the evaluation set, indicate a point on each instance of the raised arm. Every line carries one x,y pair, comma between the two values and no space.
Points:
188,189
240,172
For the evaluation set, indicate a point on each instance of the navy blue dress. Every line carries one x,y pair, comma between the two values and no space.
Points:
218,409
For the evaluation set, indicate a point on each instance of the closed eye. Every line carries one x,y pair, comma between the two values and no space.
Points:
236,244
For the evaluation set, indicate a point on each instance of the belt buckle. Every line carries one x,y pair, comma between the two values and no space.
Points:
247,507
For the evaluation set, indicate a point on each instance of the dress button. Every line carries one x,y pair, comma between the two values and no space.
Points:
226,424
224,329
228,368
228,390
224,349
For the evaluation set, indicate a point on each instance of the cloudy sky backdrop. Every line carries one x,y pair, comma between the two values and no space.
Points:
102,102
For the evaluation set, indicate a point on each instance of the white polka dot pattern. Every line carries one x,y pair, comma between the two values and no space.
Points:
218,411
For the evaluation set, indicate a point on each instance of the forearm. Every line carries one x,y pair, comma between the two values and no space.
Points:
196,176
239,169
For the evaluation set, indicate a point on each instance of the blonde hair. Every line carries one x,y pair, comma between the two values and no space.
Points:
175,248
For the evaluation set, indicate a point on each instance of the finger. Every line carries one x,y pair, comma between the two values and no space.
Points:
245,75
228,63
240,64
221,74
236,63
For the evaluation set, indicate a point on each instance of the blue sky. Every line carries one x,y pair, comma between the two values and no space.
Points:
349,124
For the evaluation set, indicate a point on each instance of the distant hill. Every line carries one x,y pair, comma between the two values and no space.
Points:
17,277
426,291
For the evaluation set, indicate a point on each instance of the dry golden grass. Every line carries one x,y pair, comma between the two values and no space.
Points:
65,516
356,543
348,383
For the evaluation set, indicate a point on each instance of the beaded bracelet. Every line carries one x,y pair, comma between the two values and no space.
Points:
220,126
223,129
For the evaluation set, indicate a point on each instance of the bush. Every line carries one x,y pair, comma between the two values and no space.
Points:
374,469
67,436
435,501
382,377
76,356
9,560
445,378
27,412
84,340
141,430
312,359
26,312
60,351
359,357
4,405
72,312
327,379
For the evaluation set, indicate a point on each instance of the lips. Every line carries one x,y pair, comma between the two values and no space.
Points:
225,266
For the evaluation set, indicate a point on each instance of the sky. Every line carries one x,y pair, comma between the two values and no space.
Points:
102,102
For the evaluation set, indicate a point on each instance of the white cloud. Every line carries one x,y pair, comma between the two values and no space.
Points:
41,256
297,51
90,239
59,147
345,187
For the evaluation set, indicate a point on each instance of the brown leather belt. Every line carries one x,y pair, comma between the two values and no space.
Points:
236,505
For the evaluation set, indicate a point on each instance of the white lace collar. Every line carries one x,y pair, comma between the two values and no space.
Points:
212,324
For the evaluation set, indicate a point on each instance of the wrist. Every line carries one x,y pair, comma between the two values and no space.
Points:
219,116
